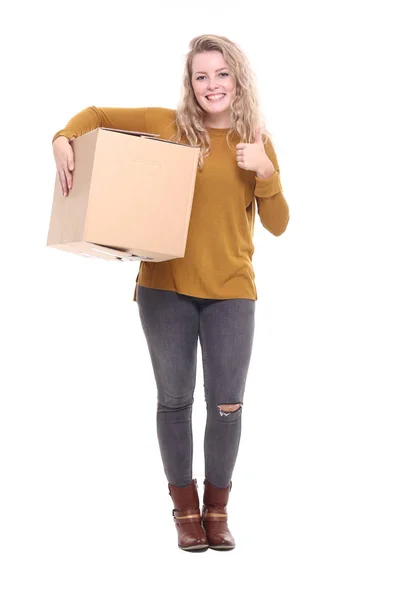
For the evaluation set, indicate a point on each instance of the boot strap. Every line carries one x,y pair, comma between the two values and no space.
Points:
214,516
186,518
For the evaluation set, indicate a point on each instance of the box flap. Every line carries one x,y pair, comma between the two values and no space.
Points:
149,135
116,252
131,132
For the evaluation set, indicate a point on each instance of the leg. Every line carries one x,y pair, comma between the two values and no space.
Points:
226,337
170,322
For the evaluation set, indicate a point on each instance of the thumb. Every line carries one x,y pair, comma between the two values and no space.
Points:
257,137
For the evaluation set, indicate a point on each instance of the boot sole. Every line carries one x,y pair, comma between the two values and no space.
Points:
194,548
222,547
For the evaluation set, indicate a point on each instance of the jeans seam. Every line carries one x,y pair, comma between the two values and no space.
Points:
204,360
191,413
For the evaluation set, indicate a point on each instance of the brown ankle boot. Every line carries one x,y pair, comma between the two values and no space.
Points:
214,517
191,535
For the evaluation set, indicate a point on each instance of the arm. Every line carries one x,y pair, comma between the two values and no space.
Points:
88,119
272,207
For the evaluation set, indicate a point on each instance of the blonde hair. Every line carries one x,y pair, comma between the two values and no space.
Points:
245,109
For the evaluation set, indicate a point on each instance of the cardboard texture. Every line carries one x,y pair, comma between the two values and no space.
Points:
131,197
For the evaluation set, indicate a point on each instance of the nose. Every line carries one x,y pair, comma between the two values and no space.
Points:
213,86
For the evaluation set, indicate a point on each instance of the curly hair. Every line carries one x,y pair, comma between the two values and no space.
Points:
245,108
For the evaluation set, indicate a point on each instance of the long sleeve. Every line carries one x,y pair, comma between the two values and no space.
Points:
88,119
272,207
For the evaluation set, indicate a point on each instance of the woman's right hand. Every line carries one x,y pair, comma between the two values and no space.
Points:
64,157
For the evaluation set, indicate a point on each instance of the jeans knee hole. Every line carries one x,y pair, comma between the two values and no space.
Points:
226,413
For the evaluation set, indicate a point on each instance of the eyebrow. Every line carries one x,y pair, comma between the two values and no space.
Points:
222,69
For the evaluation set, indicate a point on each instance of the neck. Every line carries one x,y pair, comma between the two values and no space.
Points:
218,122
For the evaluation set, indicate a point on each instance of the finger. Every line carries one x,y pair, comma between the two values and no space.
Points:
63,182
70,158
71,166
66,179
69,180
60,179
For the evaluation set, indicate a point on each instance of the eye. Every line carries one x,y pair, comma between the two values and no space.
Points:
197,78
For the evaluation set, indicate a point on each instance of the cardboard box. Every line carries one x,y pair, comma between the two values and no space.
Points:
131,197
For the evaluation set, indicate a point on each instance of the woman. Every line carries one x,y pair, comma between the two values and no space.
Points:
210,293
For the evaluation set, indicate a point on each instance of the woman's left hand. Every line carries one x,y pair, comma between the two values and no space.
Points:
252,157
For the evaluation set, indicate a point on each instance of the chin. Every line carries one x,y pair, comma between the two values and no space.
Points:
213,109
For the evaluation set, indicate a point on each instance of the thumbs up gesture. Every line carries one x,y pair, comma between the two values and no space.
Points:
252,157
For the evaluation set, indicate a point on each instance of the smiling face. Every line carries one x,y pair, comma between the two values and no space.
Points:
214,87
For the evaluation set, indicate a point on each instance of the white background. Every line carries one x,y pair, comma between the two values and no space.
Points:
84,507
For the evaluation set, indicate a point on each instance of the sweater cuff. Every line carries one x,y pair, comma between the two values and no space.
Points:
66,132
264,188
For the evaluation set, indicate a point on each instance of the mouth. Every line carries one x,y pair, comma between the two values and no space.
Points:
215,97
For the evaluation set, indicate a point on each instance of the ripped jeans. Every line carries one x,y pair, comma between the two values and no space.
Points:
172,323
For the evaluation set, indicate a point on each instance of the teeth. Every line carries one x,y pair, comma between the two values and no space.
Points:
215,97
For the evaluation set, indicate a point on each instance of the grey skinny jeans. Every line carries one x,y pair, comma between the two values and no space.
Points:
172,323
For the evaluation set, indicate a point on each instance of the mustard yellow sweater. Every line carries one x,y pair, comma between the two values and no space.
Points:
219,248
